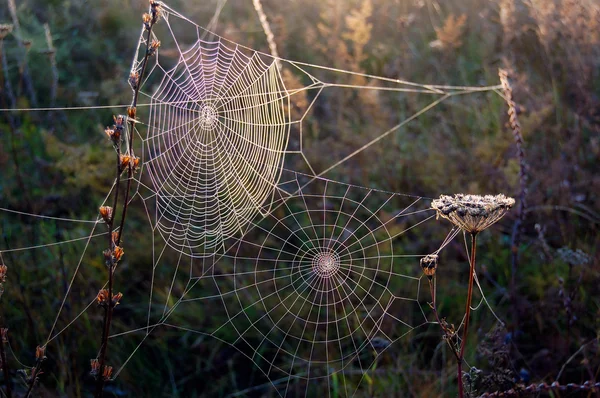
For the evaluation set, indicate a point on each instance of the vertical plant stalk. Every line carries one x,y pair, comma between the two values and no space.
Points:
25,69
264,22
518,138
463,343
108,308
115,242
4,332
5,369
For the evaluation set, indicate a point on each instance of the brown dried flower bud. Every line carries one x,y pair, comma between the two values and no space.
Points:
135,162
153,47
119,122
3,270
124,161
102,297
5,30
134,79
155,9
106,213
116,299
118,253
107,372
95,365
147,20
429,265
131,111
115,237
40,353
107,257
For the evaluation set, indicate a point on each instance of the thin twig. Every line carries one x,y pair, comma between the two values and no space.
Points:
115,242
521,210
463,343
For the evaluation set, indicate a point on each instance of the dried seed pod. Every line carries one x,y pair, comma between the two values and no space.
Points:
429,265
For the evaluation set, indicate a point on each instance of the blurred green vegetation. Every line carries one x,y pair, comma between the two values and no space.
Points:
58,164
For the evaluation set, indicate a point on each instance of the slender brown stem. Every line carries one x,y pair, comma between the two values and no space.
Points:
447,333
5,370
130,170
34,375
108,310
463,343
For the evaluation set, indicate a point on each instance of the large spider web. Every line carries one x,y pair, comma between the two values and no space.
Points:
313,277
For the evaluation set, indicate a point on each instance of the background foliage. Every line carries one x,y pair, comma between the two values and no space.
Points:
55,163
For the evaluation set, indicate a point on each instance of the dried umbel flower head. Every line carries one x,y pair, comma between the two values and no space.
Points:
429,265
5,30
472,213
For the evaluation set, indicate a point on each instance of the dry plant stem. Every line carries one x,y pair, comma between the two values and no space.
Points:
5,369
521,210
108,311
447,335
463,342
131,130
34,375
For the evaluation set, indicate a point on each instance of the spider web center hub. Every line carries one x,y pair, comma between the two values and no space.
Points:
208,117
326,264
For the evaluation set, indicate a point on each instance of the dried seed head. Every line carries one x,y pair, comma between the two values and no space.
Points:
40,353
153,47
155,9
3,270
118,253
147,20
116,299
131,112
124,161
95,365
135,162
429,265
115,237
107,257
107,372
102,297
472,213
119,122
134,79
27,44
106,213
5,30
